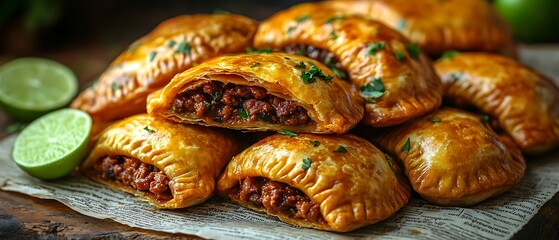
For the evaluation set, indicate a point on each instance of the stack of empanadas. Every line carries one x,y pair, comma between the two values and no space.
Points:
311,74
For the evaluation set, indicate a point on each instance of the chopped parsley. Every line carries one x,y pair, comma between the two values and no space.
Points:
341,149
301,64
413,50
207,105
256,64
302,18
333,35
243,114
406,147
115,86
329,62
373,48
250,50
183,47
290,29
149,130
455,76
310,76
288,133
450,54
373,89
315,143
436,120
152,55
306,164
484,119
399,55
330,20
171,43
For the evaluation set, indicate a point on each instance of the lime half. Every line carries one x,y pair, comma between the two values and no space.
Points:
31,87
54,144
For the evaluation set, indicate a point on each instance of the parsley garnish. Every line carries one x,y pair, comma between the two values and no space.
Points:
286,58
339,73
455,76
243,114
401,24
207,104
173,109
389,161
302,18
149,130
288,133
309,77
335,18
250,50
399,55
290,30
315,143
484,119
373,89
306,164
256,64
373,48
406,147
301,65
413,50
171,43
183,47
341,149
450,54
152,55
333,35
115,86
436,120
302,50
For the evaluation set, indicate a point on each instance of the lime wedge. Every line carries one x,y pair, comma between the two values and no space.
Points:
53,145
31,87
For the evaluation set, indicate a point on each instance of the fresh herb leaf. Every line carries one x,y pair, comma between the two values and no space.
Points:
301,65
333,35
302,18
339,73
171,43
290,29
341,149
389,161
250,50
256,64
399,55
183,48
330,20
149,130
407,146
302,50
373,48
373,89
436,120
328,61
450,54
152,55
315,143
306,164
484,119
243,114
173,109
309,77
455,76
207,105
115,86
413,50
288,133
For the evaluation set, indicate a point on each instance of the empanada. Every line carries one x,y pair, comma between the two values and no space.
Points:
453,158
393,76
438,26
525,103
150,62
328,182
168,164
274,91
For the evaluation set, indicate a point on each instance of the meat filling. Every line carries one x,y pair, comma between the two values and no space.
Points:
321,55
135,174
277,198
230,103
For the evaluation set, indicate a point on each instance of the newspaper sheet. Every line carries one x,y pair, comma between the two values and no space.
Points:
497,218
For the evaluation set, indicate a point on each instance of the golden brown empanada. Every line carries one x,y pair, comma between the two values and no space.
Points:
260,92
168,164
438,26
525,103
452,158
150,62
394,77
329,182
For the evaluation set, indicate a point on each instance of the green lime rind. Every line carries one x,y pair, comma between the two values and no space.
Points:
31,87
53,145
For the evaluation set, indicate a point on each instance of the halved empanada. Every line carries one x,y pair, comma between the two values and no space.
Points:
168,164
329,182
260,92
440,25
394,77
525,102
452,158
150,62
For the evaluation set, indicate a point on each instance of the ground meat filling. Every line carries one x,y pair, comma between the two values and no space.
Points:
277,198
321,55
136,174
230,103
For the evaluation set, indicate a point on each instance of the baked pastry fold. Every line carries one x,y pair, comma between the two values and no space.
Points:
439,26
452,158
150,62
395,78
328,182
523,101
168,164
274,91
